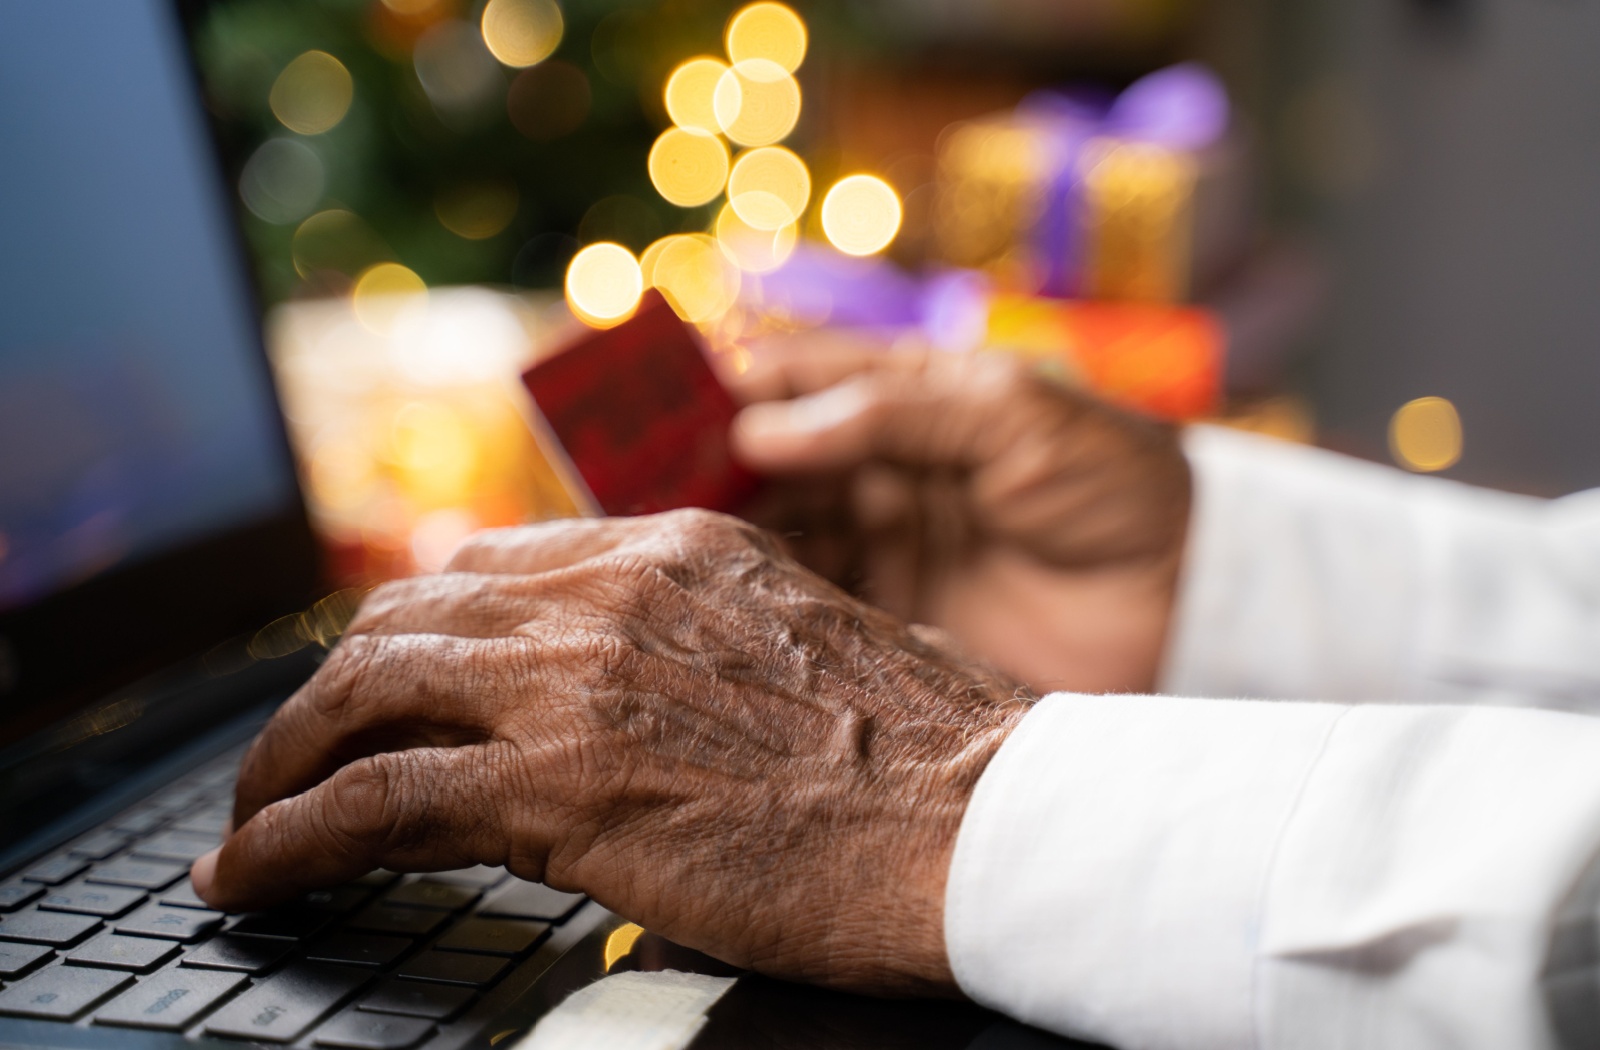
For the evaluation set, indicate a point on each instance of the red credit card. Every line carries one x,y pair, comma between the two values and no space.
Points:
642,417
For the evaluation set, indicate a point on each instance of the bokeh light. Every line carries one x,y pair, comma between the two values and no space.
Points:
1425,435
548,101
604,284
694,275
770,31
522,32
753,250
283,180
457,72
687,167
382,293
757,102
477,210
312,94
336,241
690,94
861,214
769,187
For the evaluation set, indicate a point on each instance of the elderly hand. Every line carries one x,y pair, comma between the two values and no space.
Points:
665,713
1039,526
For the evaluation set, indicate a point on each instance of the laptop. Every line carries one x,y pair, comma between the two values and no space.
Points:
159,598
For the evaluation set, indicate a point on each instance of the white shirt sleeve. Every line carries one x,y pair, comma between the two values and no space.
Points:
1209,873
1153,872
1313,575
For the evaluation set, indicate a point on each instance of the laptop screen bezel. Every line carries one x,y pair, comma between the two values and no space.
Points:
60,654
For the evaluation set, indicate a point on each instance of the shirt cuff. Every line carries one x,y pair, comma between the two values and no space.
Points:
1139,832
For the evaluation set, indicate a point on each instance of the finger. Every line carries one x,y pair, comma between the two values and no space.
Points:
429,809
543,547
804,363
375,693
954,412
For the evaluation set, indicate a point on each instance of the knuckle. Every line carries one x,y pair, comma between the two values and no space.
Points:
362,803
336,688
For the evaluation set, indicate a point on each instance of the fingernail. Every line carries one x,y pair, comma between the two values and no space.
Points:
203,871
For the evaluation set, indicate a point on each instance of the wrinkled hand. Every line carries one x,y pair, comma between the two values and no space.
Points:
665,713
1041,527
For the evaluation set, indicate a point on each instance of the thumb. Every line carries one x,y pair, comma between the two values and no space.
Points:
955,413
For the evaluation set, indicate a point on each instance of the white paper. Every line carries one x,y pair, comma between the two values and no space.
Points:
661,1010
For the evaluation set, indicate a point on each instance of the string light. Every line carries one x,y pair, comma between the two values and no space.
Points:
769,187
753,250
312,94
688,167
1425,435
770,31
522,32
690,94
382,292
604,285
861,214
757,102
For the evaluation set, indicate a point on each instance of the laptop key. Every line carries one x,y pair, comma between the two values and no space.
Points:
455,968
493,936
385,918
424,893
112,951
531,900
357,1030
98,845
290,923
284,1005
88,899
176,845
242,954
207,822
171,924
339,899
142,874
57,929
140,821
169,1001
55,871
60,993
18,959
437,1002
181,894
481,877
14,895
360,949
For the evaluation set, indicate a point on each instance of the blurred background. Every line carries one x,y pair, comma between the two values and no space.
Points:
1371,224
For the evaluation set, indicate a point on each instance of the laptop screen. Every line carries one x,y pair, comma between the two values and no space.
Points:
149,509
135,415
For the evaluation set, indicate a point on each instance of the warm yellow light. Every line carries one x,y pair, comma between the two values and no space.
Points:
687,167
769,187
691,91
476,211
522,32
312,94
620,943
757,102
861,214
436,451
382,292
770,31
604,284
1425,435
755,251
695,276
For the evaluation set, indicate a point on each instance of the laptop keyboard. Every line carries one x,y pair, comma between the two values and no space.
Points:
108,931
